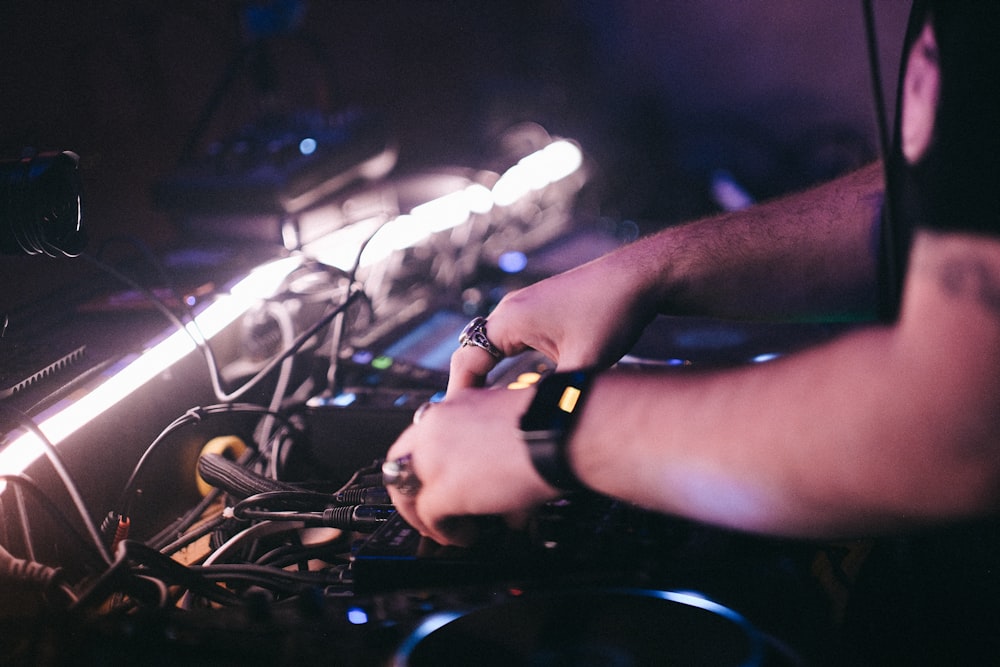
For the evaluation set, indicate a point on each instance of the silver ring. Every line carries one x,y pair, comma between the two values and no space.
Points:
475,334
419,414
399,474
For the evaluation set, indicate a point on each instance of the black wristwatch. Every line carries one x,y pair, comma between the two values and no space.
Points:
548,422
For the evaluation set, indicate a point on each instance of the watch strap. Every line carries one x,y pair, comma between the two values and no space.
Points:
548,422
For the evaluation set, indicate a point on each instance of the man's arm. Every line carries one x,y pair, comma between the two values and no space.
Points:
882,428
807,255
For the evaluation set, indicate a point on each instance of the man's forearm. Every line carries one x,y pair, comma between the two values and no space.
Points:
807,255
884,427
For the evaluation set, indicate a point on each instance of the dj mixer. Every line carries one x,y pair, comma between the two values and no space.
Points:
191,467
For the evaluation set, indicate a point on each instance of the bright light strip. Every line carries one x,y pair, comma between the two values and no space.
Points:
437,215
532,173
66,418
340,248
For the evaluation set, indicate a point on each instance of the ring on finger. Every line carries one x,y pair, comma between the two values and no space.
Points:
419,413
399,474
475,334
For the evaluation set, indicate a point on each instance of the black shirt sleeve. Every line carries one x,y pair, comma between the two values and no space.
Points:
955,184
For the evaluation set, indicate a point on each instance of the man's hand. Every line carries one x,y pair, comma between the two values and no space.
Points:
471,461
588,316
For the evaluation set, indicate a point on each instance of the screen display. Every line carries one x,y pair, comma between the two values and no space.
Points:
431,344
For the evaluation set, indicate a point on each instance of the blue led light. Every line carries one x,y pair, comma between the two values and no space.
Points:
755,645
357,616
343,400
512,261
767,356
363,357
307,146
429,625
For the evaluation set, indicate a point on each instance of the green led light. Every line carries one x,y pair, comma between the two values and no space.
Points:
382,362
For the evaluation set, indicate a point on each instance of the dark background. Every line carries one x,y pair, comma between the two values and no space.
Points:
659,93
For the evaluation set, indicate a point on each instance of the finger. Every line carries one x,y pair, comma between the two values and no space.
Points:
469,367
476,355
459,531
407,509
518,520
445,530
405,503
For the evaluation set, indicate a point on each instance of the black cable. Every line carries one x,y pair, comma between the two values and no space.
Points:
890,269
134,560
292,554
68,482
49,506
289,582
175,530
317,509
174,533
293,348
282,501
199,340
192,416
875,69
149,256
314,518
188,538
214,100
370,475
22,515
360,518
28,571
363,495
202,344
235,479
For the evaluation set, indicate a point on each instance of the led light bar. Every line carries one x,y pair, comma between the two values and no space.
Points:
558,160
132,372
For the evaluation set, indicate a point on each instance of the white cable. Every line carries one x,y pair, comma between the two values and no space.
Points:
262,529
287,327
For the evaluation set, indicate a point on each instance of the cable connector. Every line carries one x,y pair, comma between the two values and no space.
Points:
370,495
361,518
23,571
115,528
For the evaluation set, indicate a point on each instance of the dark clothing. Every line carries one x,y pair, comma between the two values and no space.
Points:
933,598
955,186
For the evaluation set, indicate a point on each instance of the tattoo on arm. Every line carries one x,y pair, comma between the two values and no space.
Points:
972,277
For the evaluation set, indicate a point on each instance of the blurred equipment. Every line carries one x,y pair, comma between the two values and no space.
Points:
253,184
22,363
315,358
40,205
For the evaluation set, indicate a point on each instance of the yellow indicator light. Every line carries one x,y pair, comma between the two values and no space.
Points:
525,380
567,402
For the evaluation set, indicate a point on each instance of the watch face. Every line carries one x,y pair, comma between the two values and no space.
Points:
557,398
